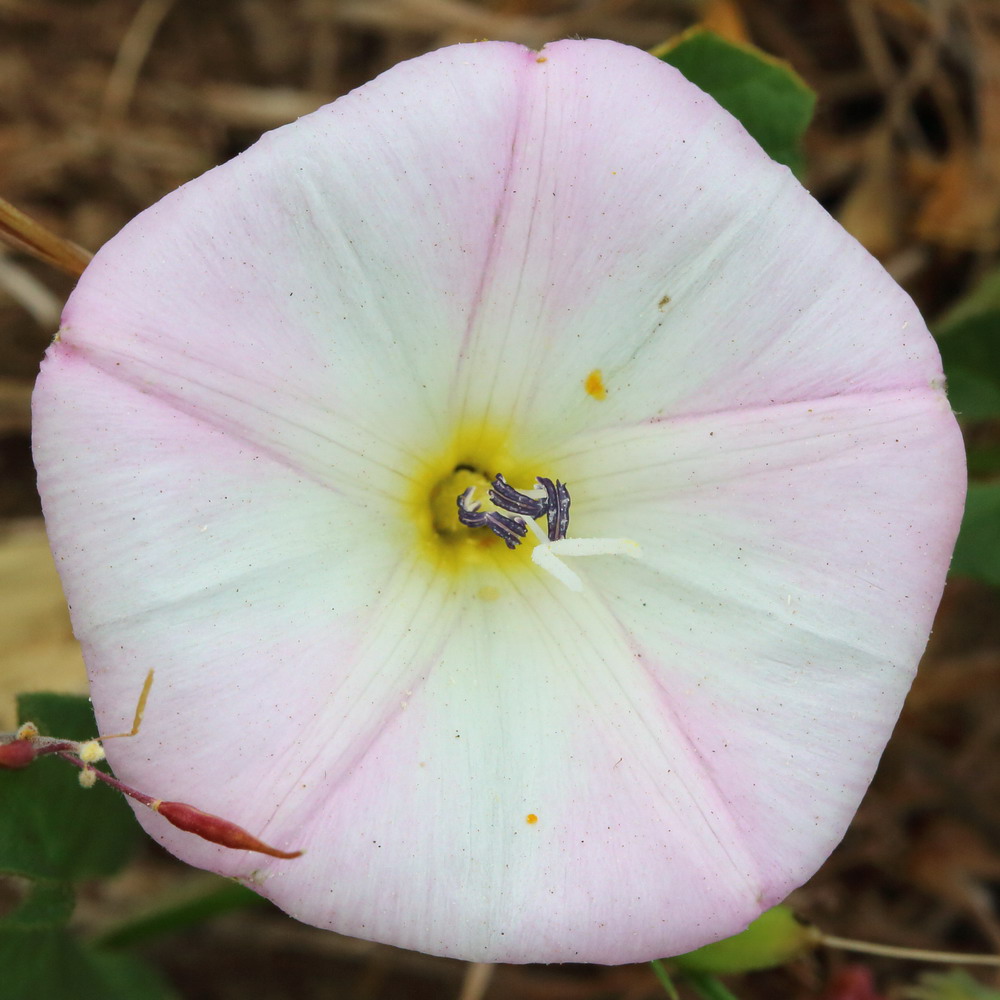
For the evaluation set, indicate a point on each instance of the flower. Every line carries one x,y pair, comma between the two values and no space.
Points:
270,392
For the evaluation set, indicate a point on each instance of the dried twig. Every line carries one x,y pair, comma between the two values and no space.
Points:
28,292
24,233
132,52
477,981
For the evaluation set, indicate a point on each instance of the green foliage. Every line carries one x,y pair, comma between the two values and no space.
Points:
663,978
970,351
769,98
50,827
774,938
708,987
969,338
46,905
51,964
54,833
954,985
977,552
704,986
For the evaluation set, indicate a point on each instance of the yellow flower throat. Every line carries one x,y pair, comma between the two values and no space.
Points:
472,459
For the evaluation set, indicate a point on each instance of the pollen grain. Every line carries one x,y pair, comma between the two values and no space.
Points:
531,819
594,384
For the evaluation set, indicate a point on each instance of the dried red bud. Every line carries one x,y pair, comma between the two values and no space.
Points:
16,754
18,750
216,829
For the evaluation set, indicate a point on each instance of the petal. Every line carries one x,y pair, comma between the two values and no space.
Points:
342,700
536,775
234,579
793,560
644,235
305,307
255,372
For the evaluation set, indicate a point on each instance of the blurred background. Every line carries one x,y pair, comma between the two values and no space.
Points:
105,105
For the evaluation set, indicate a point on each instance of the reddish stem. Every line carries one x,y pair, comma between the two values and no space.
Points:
18,752
132,793
188,818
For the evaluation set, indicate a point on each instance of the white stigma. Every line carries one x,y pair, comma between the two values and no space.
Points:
549,555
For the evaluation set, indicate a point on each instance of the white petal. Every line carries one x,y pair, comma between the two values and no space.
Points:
255,373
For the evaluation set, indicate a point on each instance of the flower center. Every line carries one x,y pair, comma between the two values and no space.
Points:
474,517
461,479
547,498
510,514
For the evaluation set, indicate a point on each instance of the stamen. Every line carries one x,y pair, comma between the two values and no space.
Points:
503,495
510,529
551,499
558,508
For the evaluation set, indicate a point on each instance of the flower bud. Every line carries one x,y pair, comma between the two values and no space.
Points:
216,829
16,754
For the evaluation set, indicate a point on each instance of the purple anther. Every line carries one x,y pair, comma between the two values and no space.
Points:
556,508
506,497
510,529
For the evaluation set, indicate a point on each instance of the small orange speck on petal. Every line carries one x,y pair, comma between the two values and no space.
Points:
542,59
531,819
594,384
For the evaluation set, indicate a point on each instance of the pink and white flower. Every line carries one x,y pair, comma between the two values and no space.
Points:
269,391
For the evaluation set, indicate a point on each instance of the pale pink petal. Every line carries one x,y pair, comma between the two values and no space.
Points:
327,275
646,236
253,376
236,580
793,559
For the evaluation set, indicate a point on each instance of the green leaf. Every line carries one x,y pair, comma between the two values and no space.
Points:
126,977
53,965
977,552
973,395
970,352
774,938
67,716
969,338
707,987
663,978
47,904
50,827
954,985
984,460
769,98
